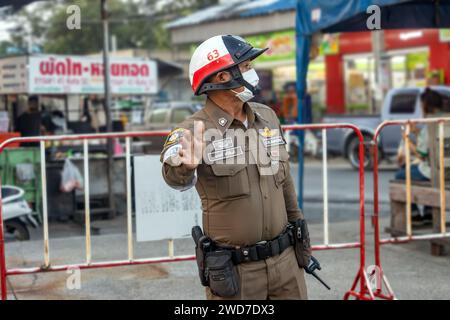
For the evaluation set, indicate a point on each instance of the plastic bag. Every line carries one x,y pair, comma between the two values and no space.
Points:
71,178
25,171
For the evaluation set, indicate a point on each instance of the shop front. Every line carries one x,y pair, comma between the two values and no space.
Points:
64,94
405,68
64,83
341,75
412,58
277,71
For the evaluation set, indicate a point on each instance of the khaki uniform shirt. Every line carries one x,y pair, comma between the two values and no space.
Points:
245,186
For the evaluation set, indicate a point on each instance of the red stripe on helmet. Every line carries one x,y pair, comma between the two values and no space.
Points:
216,65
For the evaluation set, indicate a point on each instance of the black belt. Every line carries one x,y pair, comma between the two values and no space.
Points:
264,249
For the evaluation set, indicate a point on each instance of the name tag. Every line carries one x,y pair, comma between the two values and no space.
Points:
274,141
223,144
224,154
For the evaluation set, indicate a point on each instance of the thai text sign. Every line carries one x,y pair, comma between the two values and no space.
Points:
13,75
162,212
52,74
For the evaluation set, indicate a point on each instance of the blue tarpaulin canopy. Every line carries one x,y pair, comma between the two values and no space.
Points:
351,15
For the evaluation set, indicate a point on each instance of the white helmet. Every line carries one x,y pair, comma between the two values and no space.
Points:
224,52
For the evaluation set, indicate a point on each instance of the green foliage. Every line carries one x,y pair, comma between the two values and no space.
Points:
4,45
137,33
137,25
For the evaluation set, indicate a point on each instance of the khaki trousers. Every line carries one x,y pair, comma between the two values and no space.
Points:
276,278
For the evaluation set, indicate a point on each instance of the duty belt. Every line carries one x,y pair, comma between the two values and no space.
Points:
263,249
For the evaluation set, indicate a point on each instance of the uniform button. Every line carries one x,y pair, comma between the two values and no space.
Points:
265,196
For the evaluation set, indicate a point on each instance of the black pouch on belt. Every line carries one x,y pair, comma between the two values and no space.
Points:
221,273
302,243
202,245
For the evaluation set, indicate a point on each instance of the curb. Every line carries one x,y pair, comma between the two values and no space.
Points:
342,200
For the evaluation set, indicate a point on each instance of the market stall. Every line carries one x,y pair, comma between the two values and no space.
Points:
70,91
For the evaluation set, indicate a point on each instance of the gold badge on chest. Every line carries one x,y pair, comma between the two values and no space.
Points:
271,137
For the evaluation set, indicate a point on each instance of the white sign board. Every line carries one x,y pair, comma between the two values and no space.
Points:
13,75
54,74
162,212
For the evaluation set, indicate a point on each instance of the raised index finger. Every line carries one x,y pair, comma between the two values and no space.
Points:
199,130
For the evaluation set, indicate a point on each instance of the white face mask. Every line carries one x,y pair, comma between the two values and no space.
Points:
251,77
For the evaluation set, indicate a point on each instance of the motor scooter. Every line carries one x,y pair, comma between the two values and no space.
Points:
312,146
17,214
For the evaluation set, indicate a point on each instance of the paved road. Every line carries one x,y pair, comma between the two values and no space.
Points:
412,272
343,189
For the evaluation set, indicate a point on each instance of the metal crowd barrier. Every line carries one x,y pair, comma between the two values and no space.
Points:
365,291
409,236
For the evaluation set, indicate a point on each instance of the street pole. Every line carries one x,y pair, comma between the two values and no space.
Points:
107,105
106,72
382,69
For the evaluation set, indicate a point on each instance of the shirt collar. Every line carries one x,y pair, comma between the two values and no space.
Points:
223,120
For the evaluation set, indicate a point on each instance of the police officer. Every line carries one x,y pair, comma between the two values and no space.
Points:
246,190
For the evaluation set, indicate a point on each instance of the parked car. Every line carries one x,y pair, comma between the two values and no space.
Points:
163,116
398,104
